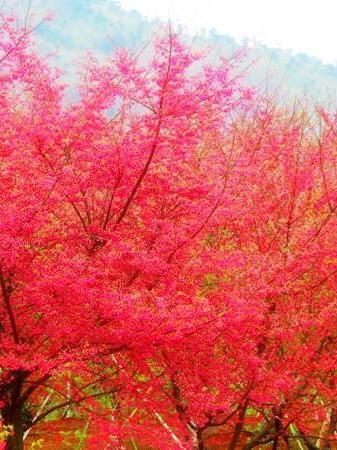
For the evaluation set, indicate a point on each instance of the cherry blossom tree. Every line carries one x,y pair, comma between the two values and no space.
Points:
167,267
105,205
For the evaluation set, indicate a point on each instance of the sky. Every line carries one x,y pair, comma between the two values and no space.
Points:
308,26
306,30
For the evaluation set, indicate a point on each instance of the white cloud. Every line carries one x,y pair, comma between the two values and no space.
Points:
303,25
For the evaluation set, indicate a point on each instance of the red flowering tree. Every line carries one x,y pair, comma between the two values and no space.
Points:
104,207
264,373
167,265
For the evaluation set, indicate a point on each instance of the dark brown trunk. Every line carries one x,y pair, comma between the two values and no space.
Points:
200,441
15,441
12,411
275,443
278,425
238,427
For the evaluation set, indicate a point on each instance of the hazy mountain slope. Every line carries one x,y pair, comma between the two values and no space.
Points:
102,25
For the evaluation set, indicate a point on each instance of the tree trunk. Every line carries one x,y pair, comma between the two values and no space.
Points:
200,441
275,443
12,411
15,441
278,426
238,427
